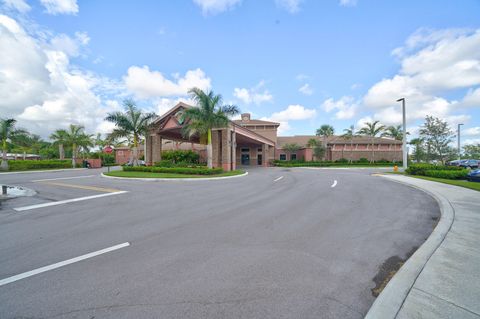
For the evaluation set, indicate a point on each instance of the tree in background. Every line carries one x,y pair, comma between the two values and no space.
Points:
131,124
8,132
318,149
59,139
325,131
348,134
437,135
208,114
395,132
291,148
372,129
419,152
76,137
472,151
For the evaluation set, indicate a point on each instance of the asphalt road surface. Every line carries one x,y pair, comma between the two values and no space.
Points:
278,243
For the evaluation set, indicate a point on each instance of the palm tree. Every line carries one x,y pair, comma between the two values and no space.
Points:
419,151
395,132
325,131
131,124
348,135
313,143
76,137
8,132
59,138
209,113
372,129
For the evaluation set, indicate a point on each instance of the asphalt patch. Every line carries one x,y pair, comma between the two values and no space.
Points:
387,270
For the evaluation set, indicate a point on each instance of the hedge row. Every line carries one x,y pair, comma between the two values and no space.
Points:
447,174
174,170
169,163
329,164
23,165
420,169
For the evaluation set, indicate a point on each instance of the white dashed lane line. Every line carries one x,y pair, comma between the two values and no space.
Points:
334,184
277,179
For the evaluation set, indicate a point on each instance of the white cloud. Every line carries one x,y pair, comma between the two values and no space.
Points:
348,3
212,7
294,112
256,95
306,89
292,6
68,45
472,131
152,84
165,104
19,5
40,88
345,108
60,6
433,64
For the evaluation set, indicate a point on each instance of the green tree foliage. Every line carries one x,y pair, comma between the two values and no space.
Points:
132,125
472,151
8,131
437,135
209,113
372,130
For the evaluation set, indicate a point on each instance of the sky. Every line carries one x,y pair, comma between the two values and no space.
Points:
302,63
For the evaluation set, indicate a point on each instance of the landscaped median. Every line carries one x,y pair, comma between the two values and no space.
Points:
24,165
452,175
153,172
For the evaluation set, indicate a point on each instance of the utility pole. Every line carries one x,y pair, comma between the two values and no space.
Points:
458,142
404,137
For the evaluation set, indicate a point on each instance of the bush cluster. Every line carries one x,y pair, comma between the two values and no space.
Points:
23,165
437,171
107,159
296,163
174,170
169,163
181,156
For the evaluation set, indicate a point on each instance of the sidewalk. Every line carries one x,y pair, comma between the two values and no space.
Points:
442,278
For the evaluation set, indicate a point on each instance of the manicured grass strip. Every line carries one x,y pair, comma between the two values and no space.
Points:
169,175
462,183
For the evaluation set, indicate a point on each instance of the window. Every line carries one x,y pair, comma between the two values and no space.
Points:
259,150
293,157
283,157
245,150
120,153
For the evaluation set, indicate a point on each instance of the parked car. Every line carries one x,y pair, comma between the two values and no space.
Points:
474,175
454,163
471,163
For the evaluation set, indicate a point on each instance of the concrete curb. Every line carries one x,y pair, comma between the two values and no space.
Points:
390,301
44,171
174,179
390,168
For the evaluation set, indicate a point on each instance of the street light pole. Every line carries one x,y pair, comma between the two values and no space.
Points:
458,141
404,137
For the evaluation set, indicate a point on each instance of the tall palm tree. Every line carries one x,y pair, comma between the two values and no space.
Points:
131,124
348,134
313,143
325,131
209,113
372,129
76,137
59,138
8,132
395,132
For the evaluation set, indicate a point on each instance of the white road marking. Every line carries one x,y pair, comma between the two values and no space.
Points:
56,179
334,183
60,264
20,209
276,180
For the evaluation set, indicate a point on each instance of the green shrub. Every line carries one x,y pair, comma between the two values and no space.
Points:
363,160
420,169
174,170
326,164
447,174
179,156
342,160
23,165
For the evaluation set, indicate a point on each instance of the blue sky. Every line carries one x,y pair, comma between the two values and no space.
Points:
301,63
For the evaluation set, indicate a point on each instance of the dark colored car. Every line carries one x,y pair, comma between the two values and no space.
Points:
454,163
474,176
470,163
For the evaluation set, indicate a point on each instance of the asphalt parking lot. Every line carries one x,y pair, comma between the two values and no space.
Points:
278,243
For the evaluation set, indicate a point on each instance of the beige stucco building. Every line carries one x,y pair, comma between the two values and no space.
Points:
255,142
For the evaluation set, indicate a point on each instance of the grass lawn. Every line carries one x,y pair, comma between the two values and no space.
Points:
170,175
462,183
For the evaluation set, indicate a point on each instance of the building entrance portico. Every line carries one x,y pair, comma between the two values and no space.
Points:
231,146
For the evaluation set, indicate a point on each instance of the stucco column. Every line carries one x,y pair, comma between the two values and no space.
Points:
148,150
226,149
234,149
265,156
156,148
216,148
